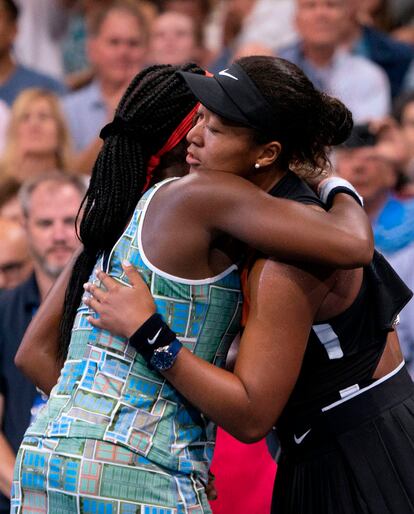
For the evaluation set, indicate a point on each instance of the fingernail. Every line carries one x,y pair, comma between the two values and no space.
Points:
126,263
86,285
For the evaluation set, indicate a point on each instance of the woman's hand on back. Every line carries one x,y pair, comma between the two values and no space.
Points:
121,309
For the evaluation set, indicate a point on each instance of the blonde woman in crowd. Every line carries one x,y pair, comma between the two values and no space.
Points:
37,139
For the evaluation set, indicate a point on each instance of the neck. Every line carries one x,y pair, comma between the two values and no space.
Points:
44,281
319,56
373,206
266,179
35,164
7,67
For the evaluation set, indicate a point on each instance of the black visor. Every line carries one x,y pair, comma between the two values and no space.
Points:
233,95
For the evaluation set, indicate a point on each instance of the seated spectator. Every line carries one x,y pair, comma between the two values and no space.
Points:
37,138
50,204
393,56
41,27
15,261
359,83
77,69
367,161
14,77
9,201
117,49
175,39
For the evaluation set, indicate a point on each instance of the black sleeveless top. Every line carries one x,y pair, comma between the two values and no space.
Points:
343,352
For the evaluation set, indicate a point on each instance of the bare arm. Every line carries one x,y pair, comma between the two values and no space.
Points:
283,228
7,458
247,402
37,353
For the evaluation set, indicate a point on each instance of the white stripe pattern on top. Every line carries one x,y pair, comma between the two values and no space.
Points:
329,339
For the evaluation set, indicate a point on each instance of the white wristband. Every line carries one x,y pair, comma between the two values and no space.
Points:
326,189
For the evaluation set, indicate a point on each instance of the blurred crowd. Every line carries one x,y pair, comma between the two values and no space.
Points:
64,65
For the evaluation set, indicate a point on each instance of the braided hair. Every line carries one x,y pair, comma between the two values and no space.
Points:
153,105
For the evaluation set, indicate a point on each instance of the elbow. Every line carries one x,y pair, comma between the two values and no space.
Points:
365,251
251,431
359,253
251,437
19,361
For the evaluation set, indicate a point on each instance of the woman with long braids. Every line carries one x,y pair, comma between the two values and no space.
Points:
114,436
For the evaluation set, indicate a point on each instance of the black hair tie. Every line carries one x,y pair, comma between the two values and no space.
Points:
119,126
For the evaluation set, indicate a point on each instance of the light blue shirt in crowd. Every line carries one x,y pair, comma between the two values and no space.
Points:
86,114
361,84
24,78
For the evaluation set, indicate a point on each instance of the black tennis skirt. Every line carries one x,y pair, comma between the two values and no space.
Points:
358,458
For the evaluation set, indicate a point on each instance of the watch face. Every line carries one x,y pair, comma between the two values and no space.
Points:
162,360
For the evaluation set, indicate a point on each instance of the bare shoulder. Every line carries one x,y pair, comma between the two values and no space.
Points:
212,184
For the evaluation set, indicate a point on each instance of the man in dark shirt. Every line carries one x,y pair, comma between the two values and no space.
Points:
14,77
50,204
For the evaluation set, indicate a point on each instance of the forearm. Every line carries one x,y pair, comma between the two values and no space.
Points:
341,237
357,246
286,229
221,396
7,466
37,356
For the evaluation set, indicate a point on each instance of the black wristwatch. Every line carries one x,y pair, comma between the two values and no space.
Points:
164,357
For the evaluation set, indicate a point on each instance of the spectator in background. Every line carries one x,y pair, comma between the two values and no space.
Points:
78,72
37,139
14,77
359,83
393,56
15,262
370,162
117,48
41,27
50,204
175,39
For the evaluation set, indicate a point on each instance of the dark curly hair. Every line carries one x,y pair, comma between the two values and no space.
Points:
307,121
153,106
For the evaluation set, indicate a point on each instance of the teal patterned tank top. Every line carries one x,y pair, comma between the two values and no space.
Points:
106,391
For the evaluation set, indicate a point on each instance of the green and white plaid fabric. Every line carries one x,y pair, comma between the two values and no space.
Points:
107,393
67,476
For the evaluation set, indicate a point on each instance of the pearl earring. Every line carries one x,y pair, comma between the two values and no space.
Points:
257,165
